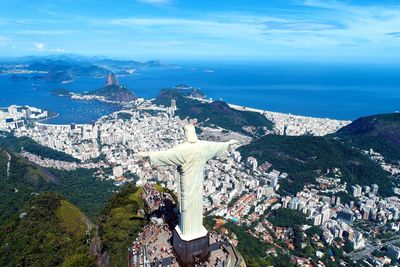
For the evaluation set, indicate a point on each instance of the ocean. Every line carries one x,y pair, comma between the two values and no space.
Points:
327,90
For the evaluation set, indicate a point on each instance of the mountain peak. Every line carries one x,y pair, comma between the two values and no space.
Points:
112,80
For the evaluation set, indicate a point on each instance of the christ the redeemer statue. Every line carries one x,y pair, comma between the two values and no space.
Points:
190,158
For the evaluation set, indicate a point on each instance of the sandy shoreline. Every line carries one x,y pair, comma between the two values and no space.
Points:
289,124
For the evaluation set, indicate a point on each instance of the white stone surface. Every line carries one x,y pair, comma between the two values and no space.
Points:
190,158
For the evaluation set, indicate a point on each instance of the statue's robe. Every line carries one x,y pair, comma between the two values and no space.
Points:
190,158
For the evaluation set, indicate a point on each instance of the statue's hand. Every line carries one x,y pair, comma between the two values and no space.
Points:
141,155
233,142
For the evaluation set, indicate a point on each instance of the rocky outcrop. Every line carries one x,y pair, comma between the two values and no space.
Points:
112,80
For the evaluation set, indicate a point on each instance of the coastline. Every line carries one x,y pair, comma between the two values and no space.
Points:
263,111
284,123
48,118
272,113
289,124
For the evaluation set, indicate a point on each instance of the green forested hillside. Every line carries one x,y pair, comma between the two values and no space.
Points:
288,218
17,188
379,132
83,190
120,222
53,230
48,231
252,249
26,178
306,157
114,93
217,113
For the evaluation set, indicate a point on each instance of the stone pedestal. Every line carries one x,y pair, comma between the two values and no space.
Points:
192,251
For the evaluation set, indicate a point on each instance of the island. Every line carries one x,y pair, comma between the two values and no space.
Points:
111,92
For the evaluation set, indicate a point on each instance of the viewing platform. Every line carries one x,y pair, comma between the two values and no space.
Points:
153,247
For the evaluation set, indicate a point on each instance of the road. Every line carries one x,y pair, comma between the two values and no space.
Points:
358,255
8,164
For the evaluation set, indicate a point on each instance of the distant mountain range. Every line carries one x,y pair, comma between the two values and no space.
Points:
68,67
58,70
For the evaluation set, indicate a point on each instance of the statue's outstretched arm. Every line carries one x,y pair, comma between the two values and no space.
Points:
219,148
141,155
163,158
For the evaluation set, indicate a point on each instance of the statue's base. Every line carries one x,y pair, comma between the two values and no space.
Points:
191,252
161,237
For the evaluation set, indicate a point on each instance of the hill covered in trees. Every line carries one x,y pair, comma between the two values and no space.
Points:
306,157
49,231
379,132
217,113
288,218
57,224
25,179
119,223
114,93
17,185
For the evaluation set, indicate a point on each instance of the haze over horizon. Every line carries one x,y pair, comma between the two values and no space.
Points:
193,30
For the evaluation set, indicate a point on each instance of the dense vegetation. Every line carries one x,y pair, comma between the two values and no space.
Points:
114,93
17,143
187,91
252,249
379,132
217,113
306,157
287,218
83,190
124,115
25,178
119,223
50,232
15,190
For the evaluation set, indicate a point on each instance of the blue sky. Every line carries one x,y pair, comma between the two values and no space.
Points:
203,29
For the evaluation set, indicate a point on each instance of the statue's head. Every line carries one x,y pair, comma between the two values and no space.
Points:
190,133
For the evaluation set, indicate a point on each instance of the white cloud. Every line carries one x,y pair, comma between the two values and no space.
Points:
57,50
156,2
336,24
202,28
324,26
42,48
39,46
45,32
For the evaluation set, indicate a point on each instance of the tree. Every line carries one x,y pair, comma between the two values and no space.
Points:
348,246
